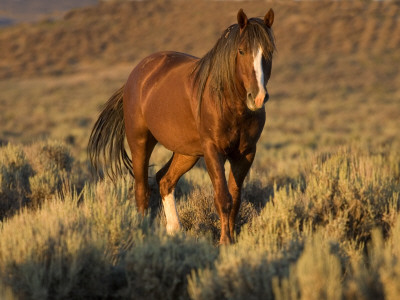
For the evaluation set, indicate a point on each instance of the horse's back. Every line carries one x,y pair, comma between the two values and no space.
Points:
159,96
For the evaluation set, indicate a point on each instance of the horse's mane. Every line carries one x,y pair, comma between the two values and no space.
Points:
218,66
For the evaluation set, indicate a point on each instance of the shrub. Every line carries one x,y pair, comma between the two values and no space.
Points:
52,164
198,215
377,275
316,275
95,245
157,267
15,171
331,233
53,253
352,185
33,174
6,292
244,271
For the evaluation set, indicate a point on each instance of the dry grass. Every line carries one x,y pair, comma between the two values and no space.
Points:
320,212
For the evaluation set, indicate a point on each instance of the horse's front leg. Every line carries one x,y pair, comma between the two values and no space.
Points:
239,168
222,199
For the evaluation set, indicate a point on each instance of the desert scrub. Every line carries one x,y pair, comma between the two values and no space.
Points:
377,274
95,245
6,292
312,240
349,193
52,164
157,267
199,217
15,171
52,253
317,274
245,270
358,188
32,174
332,230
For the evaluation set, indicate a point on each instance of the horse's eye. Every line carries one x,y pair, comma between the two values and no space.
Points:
241,52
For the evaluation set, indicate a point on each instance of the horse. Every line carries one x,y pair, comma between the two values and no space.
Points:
211,107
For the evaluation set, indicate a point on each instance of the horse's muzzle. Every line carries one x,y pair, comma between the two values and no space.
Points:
266,98
256,103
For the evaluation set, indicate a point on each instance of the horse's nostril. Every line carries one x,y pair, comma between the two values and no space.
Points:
249,96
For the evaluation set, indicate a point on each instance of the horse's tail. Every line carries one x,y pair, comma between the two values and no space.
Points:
106,147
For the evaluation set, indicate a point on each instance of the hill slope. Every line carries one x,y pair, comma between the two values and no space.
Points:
124,32
15,11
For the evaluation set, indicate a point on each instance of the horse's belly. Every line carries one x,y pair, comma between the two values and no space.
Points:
171,122
177,138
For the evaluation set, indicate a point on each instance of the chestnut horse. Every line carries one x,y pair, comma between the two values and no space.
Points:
211,107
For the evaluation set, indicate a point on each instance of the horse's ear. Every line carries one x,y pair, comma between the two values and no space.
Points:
242,19
269,18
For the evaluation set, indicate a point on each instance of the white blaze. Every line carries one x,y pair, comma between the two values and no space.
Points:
171,214
259,71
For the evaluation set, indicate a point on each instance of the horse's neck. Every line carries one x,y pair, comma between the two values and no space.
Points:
236,105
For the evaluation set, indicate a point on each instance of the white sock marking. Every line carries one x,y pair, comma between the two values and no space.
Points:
259,71
173,224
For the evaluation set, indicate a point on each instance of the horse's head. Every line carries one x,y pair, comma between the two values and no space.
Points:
239,65
254,57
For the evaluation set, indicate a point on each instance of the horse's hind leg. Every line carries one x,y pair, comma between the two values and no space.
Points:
141,145
167,179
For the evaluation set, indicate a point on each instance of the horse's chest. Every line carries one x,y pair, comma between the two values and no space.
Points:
240,137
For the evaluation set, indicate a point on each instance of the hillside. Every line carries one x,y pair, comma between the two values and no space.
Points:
111,33
17,11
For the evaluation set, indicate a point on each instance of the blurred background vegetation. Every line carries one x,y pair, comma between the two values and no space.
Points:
320,211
